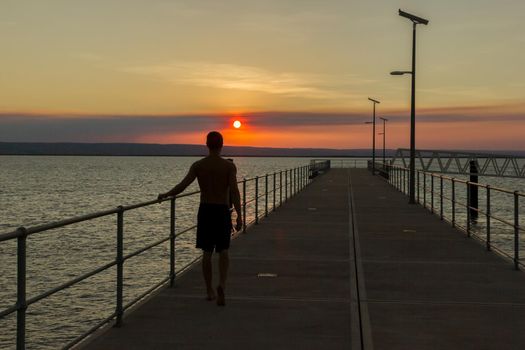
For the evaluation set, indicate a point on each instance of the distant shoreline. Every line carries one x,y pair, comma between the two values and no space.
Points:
175,155
188,150
170,150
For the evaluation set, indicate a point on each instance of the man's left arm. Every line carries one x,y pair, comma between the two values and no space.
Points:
188,179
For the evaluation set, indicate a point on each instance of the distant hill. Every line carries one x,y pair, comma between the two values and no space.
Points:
142,149
147,149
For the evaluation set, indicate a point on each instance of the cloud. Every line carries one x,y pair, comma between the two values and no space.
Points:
122,128
232,76
130,128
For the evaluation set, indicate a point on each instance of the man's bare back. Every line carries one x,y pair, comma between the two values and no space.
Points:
215,175
217,179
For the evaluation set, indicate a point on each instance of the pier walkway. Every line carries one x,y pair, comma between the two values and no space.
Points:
314,276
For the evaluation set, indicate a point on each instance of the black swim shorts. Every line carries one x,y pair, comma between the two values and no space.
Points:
214,227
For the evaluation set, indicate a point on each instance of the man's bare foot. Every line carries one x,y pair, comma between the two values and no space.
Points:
211,295
221,301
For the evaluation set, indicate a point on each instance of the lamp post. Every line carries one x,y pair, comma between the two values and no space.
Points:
384,138
415,21
374,135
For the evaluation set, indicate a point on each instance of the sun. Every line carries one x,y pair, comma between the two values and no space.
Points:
237,124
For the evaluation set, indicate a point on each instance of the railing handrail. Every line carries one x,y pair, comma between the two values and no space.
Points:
397,178
294,180
77,219
455,179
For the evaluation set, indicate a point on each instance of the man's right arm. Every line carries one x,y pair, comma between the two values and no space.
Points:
188,179
236,196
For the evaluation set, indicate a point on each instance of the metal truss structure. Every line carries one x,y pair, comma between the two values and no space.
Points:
455,162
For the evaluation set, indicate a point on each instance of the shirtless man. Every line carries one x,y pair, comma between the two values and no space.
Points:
217,178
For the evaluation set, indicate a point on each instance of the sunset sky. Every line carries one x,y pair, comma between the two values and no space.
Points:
297,73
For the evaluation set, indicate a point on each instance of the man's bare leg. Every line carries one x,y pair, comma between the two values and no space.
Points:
224,263
207,273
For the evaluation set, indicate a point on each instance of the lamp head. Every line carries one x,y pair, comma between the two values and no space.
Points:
415,19
375,101
399,72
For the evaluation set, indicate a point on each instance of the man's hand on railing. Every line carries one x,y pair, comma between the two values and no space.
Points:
238,224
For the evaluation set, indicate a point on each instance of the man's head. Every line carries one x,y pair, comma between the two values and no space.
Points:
214,141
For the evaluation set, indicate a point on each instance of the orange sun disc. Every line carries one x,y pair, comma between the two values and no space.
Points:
237,124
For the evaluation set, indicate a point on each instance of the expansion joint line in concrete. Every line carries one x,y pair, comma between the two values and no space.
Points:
359,308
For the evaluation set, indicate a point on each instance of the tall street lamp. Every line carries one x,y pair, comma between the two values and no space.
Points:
374,136
415,21
384,139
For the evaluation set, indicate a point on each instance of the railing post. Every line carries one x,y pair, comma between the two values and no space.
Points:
405,183
292,181
392,176
274,188
398,179
424,189
404,180
468,209
418,200
257,200
487,215
120,265
285,185
300,178
280,188
516,231
453,203
441,197
21,303
305,176
290,190
395,177
295,178
244,206
172,242
266,195
432,193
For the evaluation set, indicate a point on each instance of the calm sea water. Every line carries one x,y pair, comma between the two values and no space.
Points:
37,190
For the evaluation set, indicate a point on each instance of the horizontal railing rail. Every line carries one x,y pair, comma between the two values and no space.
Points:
446,196
346,162
462,163
284,184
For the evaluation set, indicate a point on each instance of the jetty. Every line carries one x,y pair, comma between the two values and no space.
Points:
346,263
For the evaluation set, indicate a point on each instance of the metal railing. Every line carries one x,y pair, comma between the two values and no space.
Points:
290,181
444,196
458,162
348,162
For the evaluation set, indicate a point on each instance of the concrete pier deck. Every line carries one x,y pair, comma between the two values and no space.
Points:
427,285
391,276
